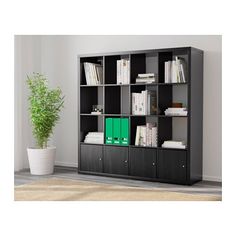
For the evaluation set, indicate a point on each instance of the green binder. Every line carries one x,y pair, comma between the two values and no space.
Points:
116,131
109,133
124,131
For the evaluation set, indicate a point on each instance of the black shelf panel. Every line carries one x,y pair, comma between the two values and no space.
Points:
95,85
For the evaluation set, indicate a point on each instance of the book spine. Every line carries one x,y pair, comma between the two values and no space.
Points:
137,138
154,136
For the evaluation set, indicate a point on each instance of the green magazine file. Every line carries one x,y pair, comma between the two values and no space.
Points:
116,131
124,131
109,133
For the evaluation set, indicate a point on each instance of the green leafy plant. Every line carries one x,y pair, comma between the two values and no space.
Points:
44,106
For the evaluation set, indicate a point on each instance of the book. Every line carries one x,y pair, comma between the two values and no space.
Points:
154,137
137,137
123,71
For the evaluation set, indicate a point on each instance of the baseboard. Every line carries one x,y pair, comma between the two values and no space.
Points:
212,178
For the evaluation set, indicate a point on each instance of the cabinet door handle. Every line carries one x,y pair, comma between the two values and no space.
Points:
100,159
153,163
183,166
126,161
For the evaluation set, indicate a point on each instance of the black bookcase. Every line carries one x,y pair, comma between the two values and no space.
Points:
181,166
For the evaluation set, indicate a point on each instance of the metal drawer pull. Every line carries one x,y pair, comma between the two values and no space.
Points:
183,166
100,159
126,161
153,163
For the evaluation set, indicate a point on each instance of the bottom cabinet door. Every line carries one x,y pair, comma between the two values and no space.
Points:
172,165
91,158
116,160
143,162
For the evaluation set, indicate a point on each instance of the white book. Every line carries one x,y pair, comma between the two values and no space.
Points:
173,72
143,136
147,75
149,127
91,75
128,72
137,137
86,70
154,136
166,72
182,71
118,70
99,70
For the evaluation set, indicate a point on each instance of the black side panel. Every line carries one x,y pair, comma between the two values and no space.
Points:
143,162
116,160
172,166
91,158
196,115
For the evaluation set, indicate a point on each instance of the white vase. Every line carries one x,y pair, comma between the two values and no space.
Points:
41,161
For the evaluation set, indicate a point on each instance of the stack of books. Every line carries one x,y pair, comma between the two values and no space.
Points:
94,137
146,78
144,103
93,73
123,71
174,144
176,111
175,71
146,135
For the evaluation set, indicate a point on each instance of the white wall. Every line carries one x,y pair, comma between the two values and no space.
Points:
56,57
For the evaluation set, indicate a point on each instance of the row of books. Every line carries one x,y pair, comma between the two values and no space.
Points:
123,71
93,73
144,103
94,137
175,71
174,144
176,111
146,135
117,131
146,78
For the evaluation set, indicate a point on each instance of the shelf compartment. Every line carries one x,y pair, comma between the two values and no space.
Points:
111,68
169,56
172,128
143,63
113,100
90,124
90,96
96,60
140,120
169,94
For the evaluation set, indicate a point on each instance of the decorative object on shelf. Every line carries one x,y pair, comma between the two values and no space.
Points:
176,111
146,135
147,78
45,106
175,71
97,110
174,144
94,137
123,71
177,104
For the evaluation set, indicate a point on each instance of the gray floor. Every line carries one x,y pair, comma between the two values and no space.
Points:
204,187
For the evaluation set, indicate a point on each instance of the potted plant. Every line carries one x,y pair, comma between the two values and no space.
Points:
44,107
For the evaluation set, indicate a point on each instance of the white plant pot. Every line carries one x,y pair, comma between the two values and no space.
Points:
41,161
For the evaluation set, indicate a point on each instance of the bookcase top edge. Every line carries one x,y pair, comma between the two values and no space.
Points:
136,52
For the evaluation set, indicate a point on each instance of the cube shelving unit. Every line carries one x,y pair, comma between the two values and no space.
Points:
180,166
